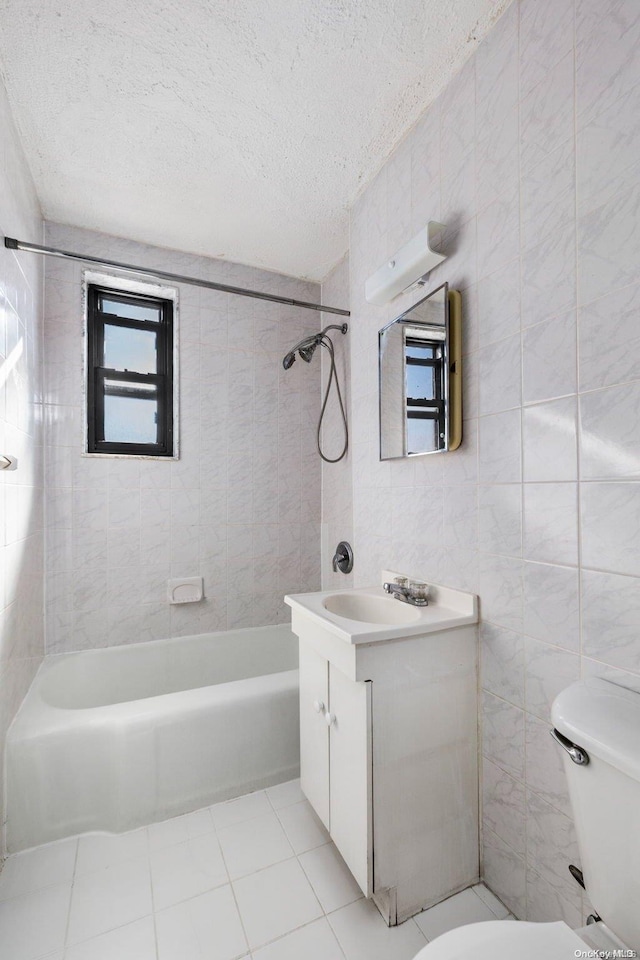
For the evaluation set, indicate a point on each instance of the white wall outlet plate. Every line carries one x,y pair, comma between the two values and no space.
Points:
185,590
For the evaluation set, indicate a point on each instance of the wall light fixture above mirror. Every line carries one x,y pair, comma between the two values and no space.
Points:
409,265
420,370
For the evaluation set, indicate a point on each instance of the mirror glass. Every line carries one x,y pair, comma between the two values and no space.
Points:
413,352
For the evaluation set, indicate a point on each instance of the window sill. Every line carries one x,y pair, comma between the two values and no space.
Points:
130,456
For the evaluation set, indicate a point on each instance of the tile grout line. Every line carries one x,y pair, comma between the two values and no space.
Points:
233,894
153,898
73,885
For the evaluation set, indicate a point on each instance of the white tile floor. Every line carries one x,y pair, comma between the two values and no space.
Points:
254,878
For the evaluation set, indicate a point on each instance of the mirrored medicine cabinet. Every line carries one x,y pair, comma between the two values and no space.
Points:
420,370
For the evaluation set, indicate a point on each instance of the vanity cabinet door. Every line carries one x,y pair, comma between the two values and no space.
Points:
314,731
351,774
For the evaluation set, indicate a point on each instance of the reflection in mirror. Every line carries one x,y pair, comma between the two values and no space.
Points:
424,390
415,357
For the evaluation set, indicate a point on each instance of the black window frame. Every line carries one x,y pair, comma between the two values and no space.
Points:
97,373
430,408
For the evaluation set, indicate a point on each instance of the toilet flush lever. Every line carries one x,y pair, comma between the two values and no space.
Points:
577,754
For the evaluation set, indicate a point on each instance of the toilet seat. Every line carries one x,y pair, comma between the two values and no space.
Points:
505,940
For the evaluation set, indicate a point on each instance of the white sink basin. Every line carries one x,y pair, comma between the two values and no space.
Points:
368,609
369,615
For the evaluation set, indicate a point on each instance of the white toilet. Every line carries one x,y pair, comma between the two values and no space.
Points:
598,726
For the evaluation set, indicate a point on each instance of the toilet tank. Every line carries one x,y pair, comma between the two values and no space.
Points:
604,720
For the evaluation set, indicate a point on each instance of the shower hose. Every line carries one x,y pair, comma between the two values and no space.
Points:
327,343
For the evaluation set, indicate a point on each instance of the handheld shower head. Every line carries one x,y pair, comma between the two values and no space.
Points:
307,346
306,349
306,353
289,360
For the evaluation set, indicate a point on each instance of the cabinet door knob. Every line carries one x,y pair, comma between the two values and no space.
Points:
318,706
330,718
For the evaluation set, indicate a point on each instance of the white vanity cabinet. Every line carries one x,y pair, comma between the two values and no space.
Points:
314,733
335,757
388,740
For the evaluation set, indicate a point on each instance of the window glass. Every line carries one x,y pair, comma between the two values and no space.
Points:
422,434
132,418
131,311
421,382
419,350
130,349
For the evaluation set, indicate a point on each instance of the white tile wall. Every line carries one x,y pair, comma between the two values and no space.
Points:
530,156
241,507
21,515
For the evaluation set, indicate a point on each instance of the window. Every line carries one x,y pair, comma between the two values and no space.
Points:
130,373
424,373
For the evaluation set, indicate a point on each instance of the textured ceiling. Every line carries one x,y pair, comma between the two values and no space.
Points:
240,129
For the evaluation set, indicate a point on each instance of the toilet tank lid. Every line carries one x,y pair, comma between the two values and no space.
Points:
604,719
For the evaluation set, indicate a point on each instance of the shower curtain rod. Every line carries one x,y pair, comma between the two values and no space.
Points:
14,244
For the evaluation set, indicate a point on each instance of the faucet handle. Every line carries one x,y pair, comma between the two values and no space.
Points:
343,558
401,581
419,591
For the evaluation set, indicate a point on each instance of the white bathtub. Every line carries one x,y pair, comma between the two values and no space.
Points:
116,738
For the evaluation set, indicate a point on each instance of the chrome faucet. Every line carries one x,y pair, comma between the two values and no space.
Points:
413,592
